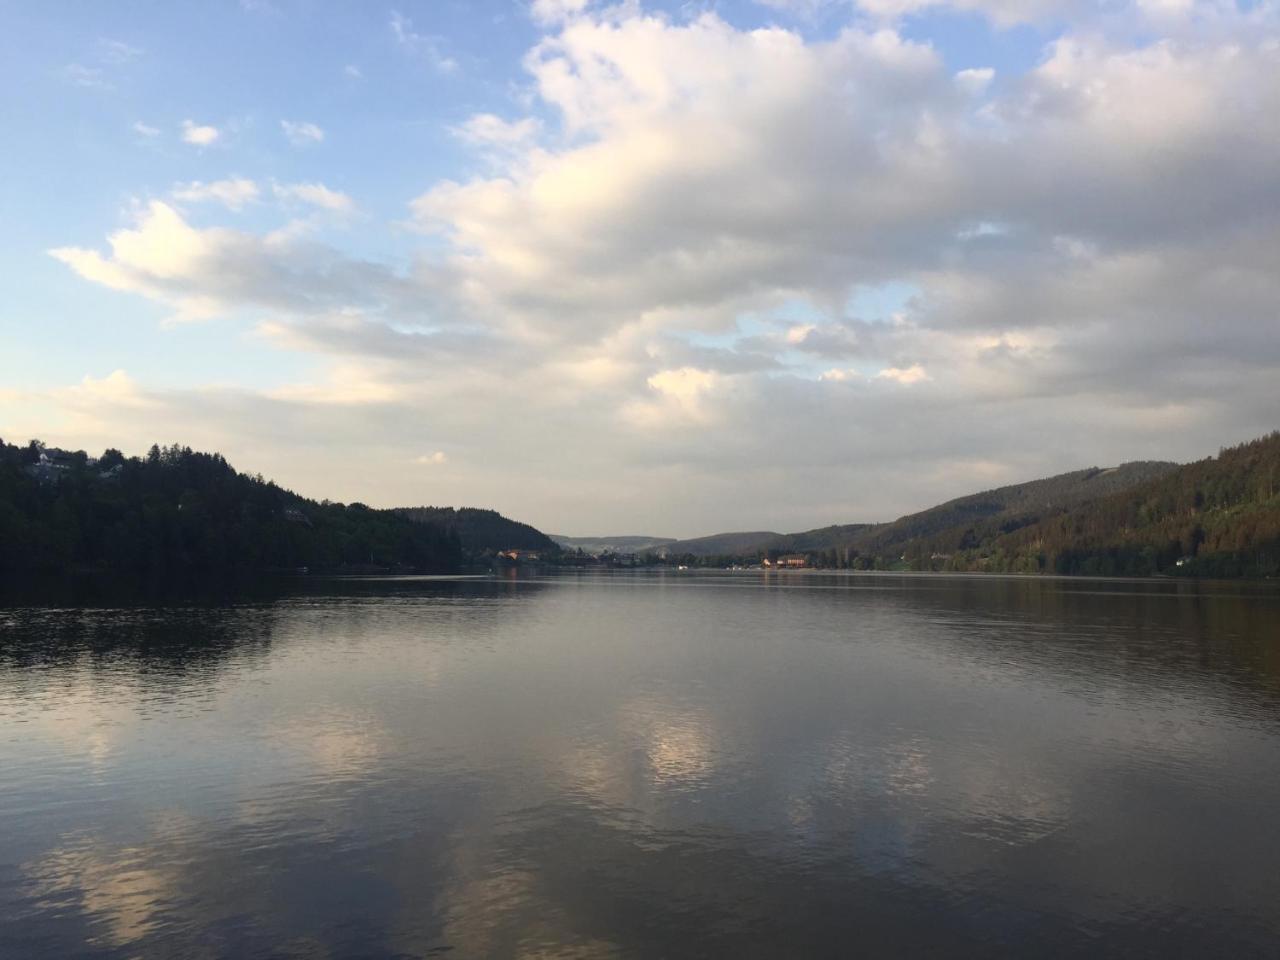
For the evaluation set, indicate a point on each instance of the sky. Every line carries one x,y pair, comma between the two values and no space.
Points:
643,268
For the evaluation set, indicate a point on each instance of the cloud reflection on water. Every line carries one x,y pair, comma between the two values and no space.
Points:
507,778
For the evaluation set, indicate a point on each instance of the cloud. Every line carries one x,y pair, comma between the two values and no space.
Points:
300,133
107,56
840,375
486,129
204,273
117,51
680,398
352,72
1002,12
663,261
91,78
431,459
232,193
145,130
420,45
116,388
315,194
976,80
198,134
548,12
905,376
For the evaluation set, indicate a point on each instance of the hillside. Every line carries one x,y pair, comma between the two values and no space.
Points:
970,521
482,530
178,511
1217,517
823,538
724,544
965,522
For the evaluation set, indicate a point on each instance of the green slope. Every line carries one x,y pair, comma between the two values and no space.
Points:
968,522
1216,517
963,523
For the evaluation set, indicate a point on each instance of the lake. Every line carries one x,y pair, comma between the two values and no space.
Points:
646,765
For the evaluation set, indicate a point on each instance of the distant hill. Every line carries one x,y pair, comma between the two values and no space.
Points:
178,511
968,521
723,544
627,544
482,530
960,524
1218,517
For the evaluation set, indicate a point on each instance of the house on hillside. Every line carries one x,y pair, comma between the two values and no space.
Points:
56,459
53,463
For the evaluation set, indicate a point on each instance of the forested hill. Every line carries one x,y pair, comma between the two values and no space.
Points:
179,511
1218,517
963,522
482,531
725,544
968,522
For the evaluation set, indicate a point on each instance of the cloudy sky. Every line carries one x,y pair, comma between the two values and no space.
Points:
642,267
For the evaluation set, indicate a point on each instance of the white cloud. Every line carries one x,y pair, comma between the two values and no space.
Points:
116,388
905,376
315,194
840,375
232,193
300,133
976,80
662,264
486,129
549,12
351,71
431,459
145,130
419,44
200,135
117,51
681,395
203,273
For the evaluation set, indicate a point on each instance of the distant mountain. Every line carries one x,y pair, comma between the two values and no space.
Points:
597,545
724,544
482,530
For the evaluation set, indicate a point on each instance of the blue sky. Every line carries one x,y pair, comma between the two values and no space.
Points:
680,261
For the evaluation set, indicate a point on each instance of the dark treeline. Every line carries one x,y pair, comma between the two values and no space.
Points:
482,530
176,511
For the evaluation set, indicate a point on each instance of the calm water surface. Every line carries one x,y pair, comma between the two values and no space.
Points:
647,765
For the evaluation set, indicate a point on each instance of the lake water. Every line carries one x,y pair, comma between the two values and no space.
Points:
647,765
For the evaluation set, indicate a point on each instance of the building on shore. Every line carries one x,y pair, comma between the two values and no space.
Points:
788,561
